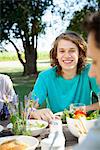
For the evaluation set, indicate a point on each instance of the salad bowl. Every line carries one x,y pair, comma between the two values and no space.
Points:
76,130
80,122
33,127
36,127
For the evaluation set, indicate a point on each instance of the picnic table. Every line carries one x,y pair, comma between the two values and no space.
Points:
70,140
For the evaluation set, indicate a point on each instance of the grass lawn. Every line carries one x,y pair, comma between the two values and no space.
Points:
12,56
22,84
10,65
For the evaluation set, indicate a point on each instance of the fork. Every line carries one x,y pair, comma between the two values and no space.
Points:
56,134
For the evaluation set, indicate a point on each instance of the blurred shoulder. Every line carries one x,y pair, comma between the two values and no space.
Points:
4,77
86,70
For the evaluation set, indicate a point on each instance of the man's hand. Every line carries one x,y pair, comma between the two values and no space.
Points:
94,106
44,114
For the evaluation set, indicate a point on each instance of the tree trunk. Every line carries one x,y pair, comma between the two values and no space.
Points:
30,66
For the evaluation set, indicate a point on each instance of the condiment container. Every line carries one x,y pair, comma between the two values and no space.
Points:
56,139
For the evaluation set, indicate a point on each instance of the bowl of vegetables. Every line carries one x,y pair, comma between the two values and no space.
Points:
79,122
36,127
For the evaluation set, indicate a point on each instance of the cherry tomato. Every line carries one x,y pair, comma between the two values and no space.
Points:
79,112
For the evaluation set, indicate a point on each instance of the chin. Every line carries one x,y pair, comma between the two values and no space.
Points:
70,67
98,82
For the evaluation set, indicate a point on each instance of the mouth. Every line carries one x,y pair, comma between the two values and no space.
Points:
67,61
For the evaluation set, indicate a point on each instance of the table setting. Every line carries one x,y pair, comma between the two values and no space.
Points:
18,125
17,118
70,140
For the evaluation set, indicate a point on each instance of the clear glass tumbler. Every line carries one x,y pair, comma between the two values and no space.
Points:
77,106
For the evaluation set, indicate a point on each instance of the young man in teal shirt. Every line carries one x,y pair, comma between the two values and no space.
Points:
67,81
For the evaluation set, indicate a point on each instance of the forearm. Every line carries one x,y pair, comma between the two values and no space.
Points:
95,106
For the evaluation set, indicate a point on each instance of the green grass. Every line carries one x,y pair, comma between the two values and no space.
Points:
43,55
5,56
22,85
12,56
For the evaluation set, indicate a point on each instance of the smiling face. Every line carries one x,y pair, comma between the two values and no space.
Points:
67,55
94,53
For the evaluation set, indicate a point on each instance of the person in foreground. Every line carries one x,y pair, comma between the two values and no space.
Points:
92,24
6,92
67,81
94,52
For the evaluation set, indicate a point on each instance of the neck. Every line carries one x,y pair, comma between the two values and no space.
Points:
69,74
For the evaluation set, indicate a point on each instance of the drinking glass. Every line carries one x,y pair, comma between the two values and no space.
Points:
77,106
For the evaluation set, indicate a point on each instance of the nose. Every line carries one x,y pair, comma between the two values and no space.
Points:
92,72
67,54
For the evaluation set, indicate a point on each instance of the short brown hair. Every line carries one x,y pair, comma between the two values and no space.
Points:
76,39
92,24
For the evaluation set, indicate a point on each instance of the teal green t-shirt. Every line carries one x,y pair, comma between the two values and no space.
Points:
59,93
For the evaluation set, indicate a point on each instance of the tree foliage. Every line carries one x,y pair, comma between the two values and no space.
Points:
79,16
22,19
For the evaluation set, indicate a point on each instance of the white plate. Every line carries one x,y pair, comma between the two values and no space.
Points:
28,140
10,126
31,125
59,113
1,128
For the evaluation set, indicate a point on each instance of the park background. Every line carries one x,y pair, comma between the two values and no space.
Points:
41,21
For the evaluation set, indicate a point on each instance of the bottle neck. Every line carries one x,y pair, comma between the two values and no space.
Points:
56,125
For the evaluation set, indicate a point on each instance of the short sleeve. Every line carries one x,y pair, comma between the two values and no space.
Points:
94,85
40,91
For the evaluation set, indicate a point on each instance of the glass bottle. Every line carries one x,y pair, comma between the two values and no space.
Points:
56,139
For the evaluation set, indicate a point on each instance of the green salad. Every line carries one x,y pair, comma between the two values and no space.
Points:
93,114
89,115
36,125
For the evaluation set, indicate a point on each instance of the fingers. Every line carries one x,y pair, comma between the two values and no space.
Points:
44,114
48,115
35,115
58,117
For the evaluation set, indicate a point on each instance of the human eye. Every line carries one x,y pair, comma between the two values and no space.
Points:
61,50
72,50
